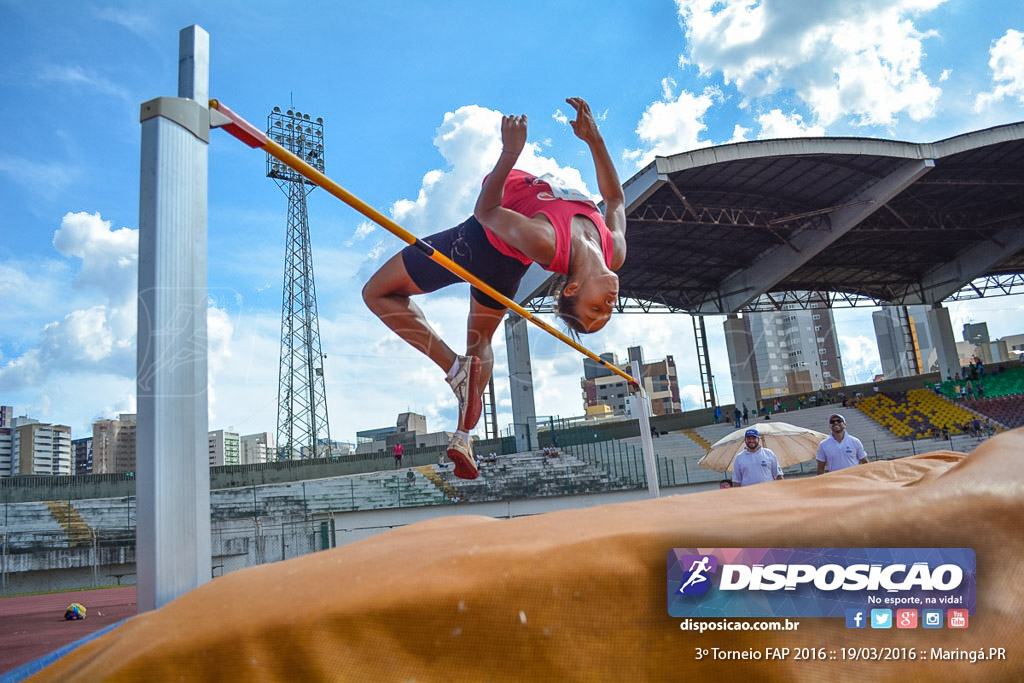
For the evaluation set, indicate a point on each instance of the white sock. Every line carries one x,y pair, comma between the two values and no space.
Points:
454,368
464,435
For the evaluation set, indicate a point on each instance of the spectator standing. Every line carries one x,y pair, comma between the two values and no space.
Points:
746,415
755,464
736,417
398,455
840,450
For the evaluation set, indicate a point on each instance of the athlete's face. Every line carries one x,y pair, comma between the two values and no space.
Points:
596,299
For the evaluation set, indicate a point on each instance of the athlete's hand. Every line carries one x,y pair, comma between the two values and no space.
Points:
513,134
584,126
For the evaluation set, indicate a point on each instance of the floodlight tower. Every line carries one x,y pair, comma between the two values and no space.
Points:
302,429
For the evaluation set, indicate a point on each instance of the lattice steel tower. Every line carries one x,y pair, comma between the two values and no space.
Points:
302,429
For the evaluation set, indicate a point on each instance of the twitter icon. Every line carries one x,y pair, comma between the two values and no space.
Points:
881,618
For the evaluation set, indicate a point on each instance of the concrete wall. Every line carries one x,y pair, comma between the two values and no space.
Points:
239,543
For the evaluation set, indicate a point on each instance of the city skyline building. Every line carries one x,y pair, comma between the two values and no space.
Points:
410,430
81,453
904,341
113,444
6,439
795,349
257,448
40,448
602,387
225,448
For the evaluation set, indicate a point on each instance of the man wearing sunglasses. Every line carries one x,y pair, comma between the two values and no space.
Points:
840,450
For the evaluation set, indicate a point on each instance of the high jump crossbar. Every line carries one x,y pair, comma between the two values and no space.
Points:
254,137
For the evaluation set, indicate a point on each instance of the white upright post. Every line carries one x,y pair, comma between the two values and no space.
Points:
646,442
172,548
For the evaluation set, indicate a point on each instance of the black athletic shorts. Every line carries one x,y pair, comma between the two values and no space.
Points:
467,245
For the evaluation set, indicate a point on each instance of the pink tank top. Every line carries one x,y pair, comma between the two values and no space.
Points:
528,195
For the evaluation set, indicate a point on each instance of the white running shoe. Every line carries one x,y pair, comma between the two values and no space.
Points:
460,452
463,384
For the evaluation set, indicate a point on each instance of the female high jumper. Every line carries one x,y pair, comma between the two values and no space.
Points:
519,219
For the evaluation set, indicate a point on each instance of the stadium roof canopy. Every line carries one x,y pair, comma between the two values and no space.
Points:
756,225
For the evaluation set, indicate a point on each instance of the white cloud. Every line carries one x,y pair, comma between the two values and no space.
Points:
860,358
109,257
860,61
1002,314
219,359
363,230
75,75
78,399
673,124
1006,60
739,133
692,397
775,124
134,22
469,139
100,338
45,178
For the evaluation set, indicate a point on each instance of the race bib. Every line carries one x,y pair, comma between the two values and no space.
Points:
559,190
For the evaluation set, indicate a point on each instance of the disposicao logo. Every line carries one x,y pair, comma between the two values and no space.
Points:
818,582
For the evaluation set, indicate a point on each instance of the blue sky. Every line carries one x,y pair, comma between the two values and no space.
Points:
411,95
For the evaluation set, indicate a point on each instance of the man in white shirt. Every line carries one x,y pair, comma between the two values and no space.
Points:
840,450
756,464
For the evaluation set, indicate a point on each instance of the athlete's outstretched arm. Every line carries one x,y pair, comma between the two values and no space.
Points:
608,183
525,234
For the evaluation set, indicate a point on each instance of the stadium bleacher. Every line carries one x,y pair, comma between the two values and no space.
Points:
1006,410
918,414
1009,382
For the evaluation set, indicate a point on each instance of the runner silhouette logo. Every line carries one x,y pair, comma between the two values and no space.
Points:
696,580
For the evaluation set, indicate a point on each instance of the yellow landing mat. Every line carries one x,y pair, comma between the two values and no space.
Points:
581,595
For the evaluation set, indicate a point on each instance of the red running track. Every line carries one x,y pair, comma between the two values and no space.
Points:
34,625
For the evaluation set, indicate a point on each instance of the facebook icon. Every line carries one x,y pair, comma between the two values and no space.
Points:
856,618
